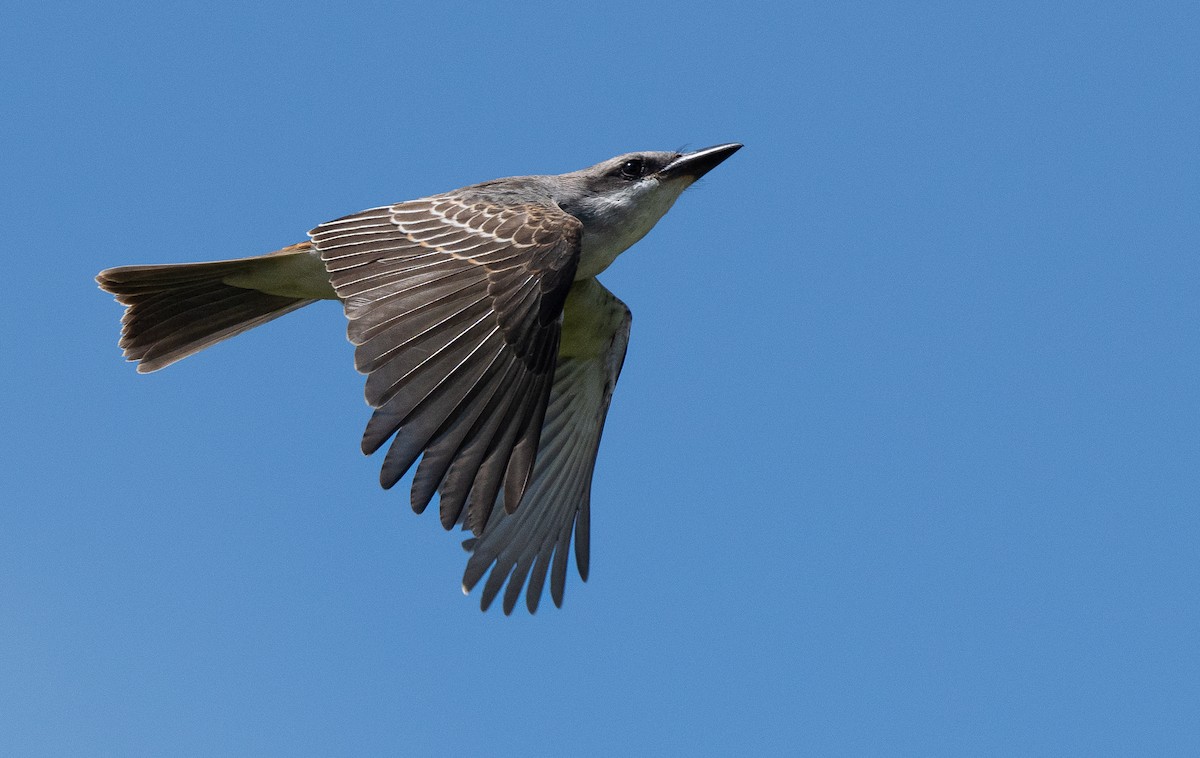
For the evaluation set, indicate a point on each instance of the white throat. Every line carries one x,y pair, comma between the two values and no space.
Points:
616,221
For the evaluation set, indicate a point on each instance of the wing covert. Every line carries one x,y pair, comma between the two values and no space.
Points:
454,305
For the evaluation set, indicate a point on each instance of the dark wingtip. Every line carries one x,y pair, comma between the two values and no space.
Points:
387,480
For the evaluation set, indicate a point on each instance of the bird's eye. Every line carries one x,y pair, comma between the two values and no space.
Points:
635,168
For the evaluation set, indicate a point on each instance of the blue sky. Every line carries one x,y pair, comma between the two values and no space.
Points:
904,459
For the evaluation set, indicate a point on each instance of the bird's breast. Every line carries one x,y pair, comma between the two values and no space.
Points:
595,255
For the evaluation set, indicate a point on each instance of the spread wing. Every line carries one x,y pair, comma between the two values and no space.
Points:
454,305
535,539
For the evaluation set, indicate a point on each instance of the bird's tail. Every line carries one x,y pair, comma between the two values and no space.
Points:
177,309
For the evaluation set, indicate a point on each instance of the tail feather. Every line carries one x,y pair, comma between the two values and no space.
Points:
175,310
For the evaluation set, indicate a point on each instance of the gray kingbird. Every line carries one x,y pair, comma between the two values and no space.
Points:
490,349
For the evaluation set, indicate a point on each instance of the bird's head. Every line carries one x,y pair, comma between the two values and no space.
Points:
621,199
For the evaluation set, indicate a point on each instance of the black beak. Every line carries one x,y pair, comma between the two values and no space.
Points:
697,164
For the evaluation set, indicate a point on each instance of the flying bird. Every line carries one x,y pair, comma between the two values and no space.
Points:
490,349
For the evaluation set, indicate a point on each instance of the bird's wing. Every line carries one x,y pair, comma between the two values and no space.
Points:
454,306
536,539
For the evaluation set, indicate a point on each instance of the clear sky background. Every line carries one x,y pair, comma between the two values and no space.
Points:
906,455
